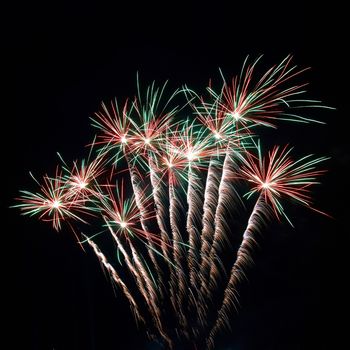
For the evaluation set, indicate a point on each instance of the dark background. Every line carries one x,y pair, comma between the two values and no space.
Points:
65,58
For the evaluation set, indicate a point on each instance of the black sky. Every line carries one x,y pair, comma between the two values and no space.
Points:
65,58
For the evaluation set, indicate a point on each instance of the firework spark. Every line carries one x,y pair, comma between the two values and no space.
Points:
53,203
275,177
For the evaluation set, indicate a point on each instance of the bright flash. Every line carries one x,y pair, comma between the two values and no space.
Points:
147,141
217,135
236,115
266,185
56,204
123,224
123,139
82,184
191,156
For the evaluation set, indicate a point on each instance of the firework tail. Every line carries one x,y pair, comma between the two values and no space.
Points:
138,279
209,208
161,214
178,280
193,218
117,279
154,300
243,261
158,193
138,192
143,283
225,195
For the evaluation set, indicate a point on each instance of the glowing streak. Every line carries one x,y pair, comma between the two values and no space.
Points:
117,279
144,284
178,256
227,197
194,204
244,259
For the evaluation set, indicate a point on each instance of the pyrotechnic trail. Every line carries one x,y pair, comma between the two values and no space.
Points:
243,260
115,276
274,178
158,196
247,106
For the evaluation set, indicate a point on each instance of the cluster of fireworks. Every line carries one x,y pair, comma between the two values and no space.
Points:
164,191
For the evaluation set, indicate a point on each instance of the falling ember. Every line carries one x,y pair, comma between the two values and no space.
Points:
166,203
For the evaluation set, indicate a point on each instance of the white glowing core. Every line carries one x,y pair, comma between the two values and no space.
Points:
217,135
123,224
236,115
191,156
82,184
147,141
266,185
123,139
56,204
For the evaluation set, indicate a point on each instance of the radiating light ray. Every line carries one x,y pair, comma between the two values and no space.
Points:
263,102
123,213
52,203
80,179
149,125
279,176
114,125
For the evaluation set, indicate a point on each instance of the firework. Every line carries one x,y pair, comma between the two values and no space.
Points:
273,178
54,202
184,169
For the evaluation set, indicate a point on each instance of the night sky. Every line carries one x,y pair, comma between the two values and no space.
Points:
65,58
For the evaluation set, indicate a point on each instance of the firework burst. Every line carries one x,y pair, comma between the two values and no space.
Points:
278,176
53,203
